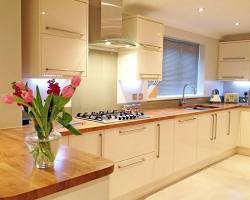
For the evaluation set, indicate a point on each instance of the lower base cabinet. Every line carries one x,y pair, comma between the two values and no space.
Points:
185,140
164,149
131,174
245,129
87,142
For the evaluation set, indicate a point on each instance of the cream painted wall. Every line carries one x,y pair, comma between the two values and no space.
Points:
98,90
10,58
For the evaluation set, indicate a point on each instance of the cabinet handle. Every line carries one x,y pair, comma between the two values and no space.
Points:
131,164
215,133
186,120
66,70
233,77
229,123
131,130
151,47
234,58
159,140
63,30
101,145
212,136
150,76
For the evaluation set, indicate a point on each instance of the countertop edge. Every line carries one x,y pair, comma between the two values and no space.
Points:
51,189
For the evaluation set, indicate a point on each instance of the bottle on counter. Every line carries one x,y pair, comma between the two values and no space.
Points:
248,97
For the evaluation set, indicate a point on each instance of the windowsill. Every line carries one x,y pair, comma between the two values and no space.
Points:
176,97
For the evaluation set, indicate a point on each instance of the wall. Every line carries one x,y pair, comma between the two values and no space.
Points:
98,90
10,58
236,86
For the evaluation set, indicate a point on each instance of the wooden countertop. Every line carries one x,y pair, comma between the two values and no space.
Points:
19,180
155,115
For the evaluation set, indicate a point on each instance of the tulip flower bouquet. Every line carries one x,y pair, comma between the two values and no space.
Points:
43,144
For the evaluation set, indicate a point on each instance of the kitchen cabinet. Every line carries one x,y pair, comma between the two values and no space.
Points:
144,31
88,142
144,63
128,142
234,61
234,70
185,140
131,174
217,133
54,38
245,129
164,149
65,140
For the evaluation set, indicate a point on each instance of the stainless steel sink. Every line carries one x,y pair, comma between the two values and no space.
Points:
200,107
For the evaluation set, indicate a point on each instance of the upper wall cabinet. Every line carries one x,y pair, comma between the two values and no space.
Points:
145,62
143,30
234,61
54,38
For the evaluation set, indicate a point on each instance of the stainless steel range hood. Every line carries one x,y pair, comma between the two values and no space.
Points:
105,25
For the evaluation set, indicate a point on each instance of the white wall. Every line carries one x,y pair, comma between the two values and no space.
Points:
10,58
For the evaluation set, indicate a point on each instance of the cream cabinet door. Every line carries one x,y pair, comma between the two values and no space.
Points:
234,51
234,126
131,174
88,142
185,141
164,149
150,32
245,129
128,142
67,17
234,70
205,138
61,55
150,63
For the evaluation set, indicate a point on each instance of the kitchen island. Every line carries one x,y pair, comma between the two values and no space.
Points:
75,173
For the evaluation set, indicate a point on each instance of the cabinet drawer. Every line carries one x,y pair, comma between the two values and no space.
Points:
87,142
63,56
131,174
129,142
64,17
234,70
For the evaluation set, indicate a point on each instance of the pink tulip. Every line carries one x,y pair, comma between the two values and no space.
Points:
68,91
20,85
8,99
27,96
75,81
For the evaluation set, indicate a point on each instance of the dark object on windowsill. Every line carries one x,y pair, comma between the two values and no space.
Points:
26,121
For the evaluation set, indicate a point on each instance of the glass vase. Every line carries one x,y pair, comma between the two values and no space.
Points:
43,150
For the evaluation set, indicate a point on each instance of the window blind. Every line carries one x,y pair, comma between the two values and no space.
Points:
180,66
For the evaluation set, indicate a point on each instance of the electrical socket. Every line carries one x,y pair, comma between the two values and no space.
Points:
134,97
140,96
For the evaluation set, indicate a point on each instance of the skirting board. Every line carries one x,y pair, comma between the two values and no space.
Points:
158,185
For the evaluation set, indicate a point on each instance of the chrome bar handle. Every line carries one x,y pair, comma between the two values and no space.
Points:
158,140
101,145
131,130
63,30
186,120
229,123
234,58
212,136
216,118
233,77
66,70
151,47
131,164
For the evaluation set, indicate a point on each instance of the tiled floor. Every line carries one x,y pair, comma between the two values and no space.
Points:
227,180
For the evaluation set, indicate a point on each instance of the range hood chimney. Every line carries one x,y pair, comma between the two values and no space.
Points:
105,25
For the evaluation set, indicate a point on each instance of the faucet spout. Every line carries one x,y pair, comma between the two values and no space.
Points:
182,100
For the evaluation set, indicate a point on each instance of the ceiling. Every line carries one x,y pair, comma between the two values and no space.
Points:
216,21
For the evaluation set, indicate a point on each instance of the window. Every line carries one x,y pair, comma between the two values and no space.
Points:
180,67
